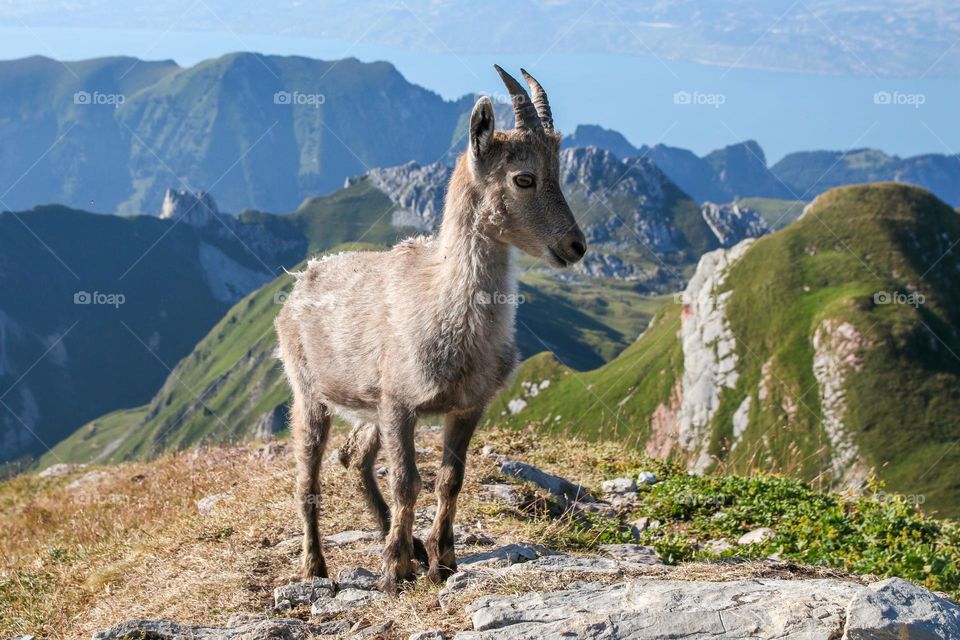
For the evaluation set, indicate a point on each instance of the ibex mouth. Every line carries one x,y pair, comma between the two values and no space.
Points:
559,261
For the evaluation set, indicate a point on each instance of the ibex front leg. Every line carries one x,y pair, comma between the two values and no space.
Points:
397,426
457,431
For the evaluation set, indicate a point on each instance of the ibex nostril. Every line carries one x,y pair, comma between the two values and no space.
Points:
578,248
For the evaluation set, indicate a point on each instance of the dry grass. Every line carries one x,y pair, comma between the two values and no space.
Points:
133,545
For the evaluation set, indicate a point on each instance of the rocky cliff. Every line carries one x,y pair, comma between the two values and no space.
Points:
810,352
733,222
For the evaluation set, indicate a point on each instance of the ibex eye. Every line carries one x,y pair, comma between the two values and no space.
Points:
523,180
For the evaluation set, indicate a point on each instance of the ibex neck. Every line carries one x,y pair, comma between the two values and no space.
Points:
473,258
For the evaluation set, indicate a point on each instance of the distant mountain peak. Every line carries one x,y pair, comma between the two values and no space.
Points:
592,135
197,209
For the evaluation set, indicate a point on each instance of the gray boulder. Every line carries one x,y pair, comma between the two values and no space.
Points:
895,609
757,536
562,488
301,594
619,486
663,609
357,578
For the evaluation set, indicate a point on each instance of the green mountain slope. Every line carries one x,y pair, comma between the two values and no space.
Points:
231,381
828,349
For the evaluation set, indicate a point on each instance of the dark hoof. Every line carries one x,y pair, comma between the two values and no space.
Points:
438,574
387,585
317,569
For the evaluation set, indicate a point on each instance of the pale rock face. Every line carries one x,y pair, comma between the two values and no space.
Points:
741,419
195,209
228,279
665,425
709,352
417,190
733,223
836,347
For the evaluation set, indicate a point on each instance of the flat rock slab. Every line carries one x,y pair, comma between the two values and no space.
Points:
506,555
345,600
274,629
818,609
475,574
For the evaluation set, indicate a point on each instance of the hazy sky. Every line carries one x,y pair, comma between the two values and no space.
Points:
792,75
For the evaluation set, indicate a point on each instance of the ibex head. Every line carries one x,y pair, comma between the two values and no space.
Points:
518,173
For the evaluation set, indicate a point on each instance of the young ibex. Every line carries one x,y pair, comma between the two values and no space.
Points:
426,328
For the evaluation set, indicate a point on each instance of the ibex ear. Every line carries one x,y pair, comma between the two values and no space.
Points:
481,130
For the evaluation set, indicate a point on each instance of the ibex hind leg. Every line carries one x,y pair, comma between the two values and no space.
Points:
360,451
310,426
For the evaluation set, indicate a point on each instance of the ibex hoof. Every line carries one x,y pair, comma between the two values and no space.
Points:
438,574
314,569
388,585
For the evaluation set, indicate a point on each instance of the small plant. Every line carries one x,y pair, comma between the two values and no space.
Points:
876,533
674,549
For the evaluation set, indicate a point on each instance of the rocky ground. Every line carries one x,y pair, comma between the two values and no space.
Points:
534,561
